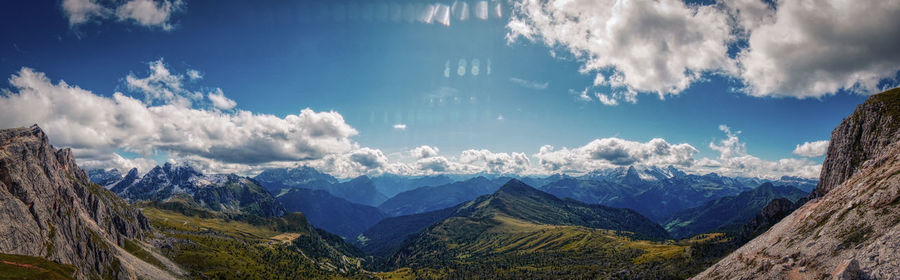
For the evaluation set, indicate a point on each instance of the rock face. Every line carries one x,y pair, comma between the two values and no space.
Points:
770,215
49,208
851,229
226,193
862,136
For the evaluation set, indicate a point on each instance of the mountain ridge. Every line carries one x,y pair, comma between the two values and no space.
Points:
50,208
849,229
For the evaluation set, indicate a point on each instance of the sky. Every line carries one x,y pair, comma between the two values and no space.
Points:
744,88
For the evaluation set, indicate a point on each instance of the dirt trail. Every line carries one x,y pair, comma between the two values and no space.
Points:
23,265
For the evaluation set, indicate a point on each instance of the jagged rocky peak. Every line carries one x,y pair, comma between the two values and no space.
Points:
182,183
105,177
50,208
864,135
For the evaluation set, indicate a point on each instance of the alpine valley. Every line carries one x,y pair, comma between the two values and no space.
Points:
174,221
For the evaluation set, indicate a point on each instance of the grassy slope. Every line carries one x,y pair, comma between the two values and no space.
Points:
505,247
283,248
28,267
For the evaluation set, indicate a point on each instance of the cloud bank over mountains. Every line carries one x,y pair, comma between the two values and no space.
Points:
793,48
163,115
171,119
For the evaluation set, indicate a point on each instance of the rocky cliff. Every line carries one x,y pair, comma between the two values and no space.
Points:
49,208
848,232
862,136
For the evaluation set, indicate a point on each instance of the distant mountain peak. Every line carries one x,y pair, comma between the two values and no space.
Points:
514,186
363,178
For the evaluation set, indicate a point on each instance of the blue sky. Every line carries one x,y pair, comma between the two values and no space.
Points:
278,58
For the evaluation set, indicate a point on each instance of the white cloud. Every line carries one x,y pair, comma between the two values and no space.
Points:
812,149
731,146
793,48
582,95
434,165
497,163
607,100
815,48
194,74
424,151
530,84
613,152
655,46
83,11
733,158
114,160
160,86
400,127
98,126
147,13
749,14
219,100
735,161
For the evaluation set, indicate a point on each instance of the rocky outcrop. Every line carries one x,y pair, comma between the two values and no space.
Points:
850,231
862,136
770,215
49,208
225,193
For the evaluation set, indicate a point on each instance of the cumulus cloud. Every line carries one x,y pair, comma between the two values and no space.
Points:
530,84
114,160
614,152
815,48
219,100
783,48
434,165
83,11
607,99
194,74
812,149
497,163
424,151
735,161
654,46
160,86
147,13
731,146
98,126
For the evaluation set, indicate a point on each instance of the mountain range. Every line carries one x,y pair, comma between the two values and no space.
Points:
176,222
226,193
430,198
56,223
729,211
331,213
520,232
658,193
